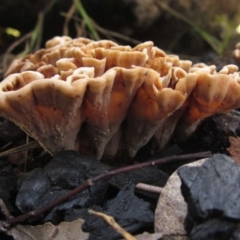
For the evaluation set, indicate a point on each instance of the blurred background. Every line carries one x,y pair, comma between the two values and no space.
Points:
197,30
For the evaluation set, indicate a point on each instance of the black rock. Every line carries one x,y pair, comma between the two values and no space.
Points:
35,191
213,134
129,208
9,132
212,192
96,226
149,175
8,187
215,229
129,211
66,171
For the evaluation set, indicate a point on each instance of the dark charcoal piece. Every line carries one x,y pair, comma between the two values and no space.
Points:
34,191
8,186
211,191
9,132
214,229
213,188
213,134
128,210
75,213
148,175
96,226
236,233
67,170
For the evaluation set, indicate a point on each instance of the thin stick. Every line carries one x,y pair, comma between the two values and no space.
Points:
148,188
108,33
5,146
21,148
111,221
88,183
87,19
26,154
11,47
68,17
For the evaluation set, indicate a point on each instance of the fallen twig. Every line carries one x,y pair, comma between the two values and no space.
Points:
107,33
24,147
26,216
111,221
68,17
148,188
87,19
12,47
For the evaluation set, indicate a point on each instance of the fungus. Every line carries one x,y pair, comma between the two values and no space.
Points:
46,109
101,98
211,94
151,106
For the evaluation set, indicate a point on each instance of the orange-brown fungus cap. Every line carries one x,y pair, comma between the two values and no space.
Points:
210,94
101,98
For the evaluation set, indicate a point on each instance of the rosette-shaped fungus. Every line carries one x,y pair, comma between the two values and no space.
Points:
102,98
213,92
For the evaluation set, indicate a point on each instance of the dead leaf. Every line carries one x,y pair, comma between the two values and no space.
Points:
234,148
65,230
148,236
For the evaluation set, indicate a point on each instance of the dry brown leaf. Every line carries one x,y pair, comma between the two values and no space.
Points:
234,149
65,230
149,236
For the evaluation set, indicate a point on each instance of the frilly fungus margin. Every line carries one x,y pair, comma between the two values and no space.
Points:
103,99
